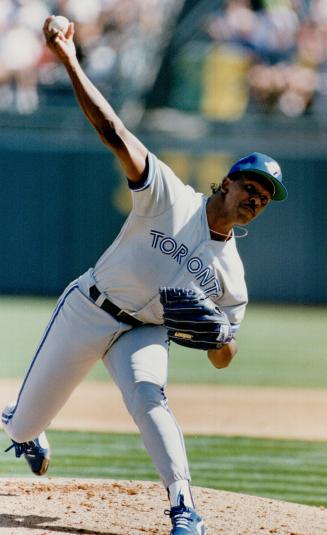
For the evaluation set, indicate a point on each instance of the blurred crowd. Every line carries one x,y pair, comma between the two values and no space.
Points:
280,48
117,41
285,46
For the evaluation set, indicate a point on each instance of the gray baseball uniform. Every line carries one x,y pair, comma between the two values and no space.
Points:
164,242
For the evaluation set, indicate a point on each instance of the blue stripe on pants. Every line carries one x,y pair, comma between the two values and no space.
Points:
6,416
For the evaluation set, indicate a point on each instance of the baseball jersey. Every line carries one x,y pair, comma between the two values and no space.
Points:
165,241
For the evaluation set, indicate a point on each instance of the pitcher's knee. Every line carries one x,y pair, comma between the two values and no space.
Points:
147,396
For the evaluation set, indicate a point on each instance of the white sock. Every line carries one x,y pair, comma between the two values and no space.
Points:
180,488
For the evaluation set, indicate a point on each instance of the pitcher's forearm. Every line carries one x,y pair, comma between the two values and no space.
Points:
94,105
129,150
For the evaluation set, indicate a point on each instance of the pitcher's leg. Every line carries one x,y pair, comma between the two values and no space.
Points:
138,364
76,337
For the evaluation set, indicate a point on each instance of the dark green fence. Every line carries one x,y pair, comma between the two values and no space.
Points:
63,201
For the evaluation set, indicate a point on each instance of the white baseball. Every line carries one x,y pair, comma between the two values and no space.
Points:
59,23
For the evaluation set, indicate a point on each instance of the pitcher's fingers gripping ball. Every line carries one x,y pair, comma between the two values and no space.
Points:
59,24
194,320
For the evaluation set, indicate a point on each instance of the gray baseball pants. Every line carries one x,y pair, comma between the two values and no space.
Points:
77,336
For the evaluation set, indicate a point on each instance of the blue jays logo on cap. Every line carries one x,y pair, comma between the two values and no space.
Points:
264,165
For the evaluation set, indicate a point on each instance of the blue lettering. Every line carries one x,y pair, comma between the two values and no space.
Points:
213,290
168,246
204,275
180,253
156,236
194,265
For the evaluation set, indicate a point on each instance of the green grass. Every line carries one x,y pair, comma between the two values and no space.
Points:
278,345
280,469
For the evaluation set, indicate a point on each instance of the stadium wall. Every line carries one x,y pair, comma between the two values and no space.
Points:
63,202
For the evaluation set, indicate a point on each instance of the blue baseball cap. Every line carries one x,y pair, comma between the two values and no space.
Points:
263,165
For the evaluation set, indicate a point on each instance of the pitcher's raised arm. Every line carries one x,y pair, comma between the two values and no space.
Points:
129,150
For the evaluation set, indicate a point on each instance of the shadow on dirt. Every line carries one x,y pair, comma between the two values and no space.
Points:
34,522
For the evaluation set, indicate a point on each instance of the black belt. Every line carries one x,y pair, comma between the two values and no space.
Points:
114,310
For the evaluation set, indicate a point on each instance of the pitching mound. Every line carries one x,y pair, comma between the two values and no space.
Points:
104,507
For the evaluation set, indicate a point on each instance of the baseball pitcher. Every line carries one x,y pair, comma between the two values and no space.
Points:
172,273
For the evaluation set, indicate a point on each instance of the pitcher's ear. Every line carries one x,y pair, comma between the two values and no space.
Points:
224,185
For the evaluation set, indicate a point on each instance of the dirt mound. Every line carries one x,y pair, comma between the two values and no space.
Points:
105,507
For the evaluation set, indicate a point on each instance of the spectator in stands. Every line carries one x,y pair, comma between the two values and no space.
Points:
119,38
20,50
278,47
286,43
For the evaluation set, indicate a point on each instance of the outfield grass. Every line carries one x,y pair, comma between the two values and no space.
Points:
280,469
278,345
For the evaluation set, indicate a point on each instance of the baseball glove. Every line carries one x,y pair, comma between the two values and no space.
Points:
193,320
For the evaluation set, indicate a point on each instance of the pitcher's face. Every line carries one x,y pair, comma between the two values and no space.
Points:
245,198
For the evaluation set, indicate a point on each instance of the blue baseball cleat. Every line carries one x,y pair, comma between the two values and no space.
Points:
36,453
185,520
